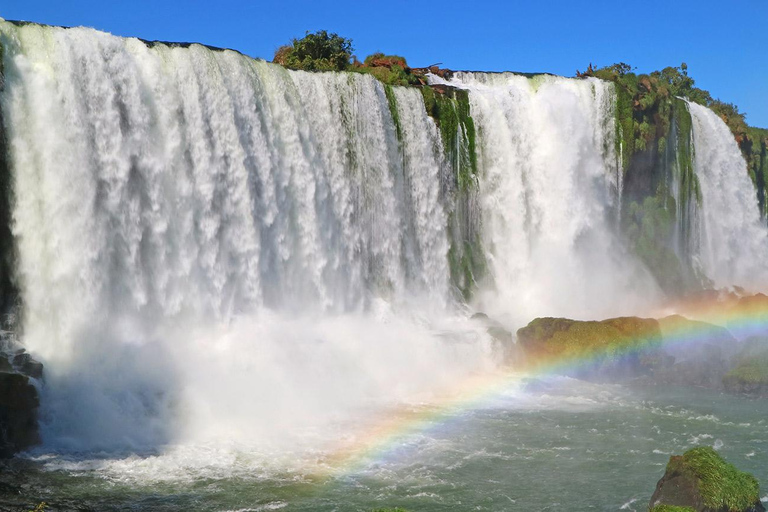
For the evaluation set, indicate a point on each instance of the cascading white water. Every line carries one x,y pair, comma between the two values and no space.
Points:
213,246
549,191
733,239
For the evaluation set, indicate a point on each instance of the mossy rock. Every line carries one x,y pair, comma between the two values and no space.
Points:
671,508
702,481
561,337
613,347
749,376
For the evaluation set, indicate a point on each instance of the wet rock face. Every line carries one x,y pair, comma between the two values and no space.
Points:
19,401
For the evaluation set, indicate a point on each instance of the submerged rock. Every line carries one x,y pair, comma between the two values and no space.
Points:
702,481
617,348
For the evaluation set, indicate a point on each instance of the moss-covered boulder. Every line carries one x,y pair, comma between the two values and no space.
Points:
702,481
613,348
749,374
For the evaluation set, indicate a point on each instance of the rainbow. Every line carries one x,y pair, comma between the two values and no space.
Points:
386,433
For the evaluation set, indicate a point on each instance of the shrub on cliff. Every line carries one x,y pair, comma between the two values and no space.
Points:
388,69
318,51
650,96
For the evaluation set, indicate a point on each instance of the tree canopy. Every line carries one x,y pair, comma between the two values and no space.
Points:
317,51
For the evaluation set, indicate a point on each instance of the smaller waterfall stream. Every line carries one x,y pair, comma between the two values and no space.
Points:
733,242
549,197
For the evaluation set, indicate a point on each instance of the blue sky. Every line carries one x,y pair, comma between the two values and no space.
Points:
724,43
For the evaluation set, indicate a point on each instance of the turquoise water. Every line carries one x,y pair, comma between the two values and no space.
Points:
556,444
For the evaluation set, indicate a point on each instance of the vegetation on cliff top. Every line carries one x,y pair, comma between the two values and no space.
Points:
645,113
318,51
324,51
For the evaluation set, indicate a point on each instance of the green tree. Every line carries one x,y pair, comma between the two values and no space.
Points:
318,51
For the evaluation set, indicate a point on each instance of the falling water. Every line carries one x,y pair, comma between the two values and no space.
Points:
550,194
733,239
211,245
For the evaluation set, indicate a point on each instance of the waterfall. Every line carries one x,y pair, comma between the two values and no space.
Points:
549,195
209,246
193,223
733,239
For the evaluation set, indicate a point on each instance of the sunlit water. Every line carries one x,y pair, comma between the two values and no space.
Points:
553,444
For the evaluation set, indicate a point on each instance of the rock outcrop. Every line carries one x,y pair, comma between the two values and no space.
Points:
702,481
19,401
617,348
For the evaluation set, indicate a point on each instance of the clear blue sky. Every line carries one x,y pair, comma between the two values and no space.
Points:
724,43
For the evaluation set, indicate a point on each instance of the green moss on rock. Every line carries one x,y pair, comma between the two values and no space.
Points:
450,109
392,102
671,508
617,348
702,480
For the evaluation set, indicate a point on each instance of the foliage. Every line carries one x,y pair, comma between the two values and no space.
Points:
721,485
318,51
671,508
388,69
450,110
40,507
651,96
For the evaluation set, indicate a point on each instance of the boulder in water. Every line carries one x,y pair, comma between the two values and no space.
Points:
613,348
702,481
